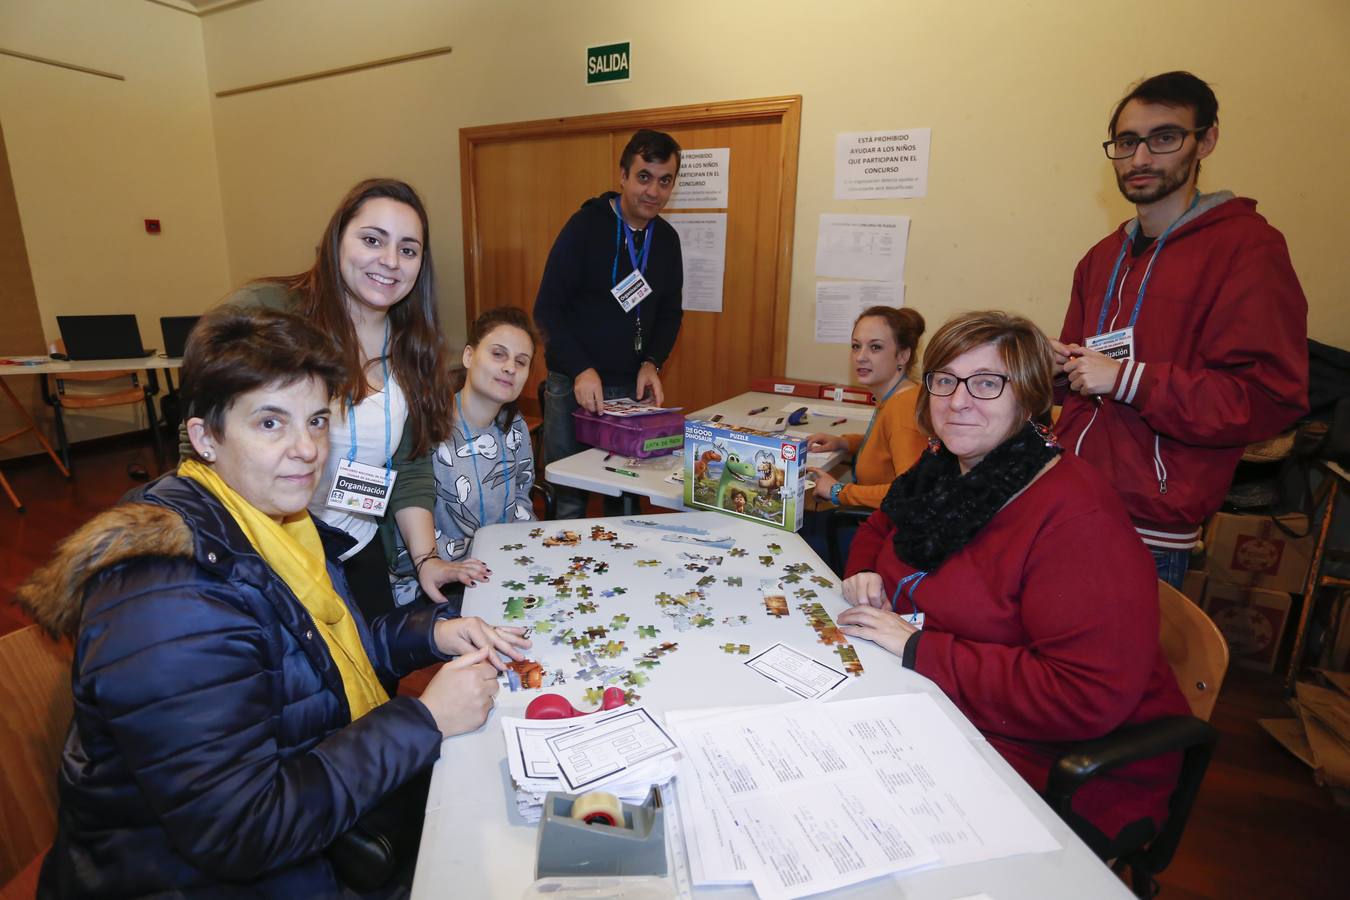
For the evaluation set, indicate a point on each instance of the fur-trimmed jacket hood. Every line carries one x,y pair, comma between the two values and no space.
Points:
172,518
53,593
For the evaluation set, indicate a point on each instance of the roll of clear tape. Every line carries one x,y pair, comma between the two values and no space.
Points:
598,808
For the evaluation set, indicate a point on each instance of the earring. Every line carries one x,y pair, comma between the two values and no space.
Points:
934,445
208,455
1045,434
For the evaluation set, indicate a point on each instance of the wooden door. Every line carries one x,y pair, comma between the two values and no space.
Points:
522,181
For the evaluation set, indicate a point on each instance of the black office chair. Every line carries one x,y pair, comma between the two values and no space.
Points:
1198,655
840,519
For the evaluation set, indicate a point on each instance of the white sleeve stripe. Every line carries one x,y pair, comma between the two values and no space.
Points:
1138,376
1127,369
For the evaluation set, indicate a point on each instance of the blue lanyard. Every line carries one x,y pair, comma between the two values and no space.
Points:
621,233
1148,272
473,458
873,421
388,400
912,581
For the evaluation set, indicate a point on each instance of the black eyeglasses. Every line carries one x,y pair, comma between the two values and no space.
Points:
981,385
1168,141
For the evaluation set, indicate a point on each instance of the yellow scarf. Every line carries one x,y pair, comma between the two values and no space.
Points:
293,550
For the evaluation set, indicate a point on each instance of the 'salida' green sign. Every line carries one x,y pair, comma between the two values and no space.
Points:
610,62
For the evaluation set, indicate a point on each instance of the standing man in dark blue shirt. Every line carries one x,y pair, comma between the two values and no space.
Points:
609,303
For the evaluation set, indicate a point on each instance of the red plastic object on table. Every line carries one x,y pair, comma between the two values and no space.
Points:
556,706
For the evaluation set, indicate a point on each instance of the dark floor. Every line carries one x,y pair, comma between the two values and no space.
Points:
1261,828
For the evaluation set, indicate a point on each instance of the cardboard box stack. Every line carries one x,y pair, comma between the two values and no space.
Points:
1252,567
1320,736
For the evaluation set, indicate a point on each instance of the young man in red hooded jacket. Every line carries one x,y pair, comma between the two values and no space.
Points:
1186,335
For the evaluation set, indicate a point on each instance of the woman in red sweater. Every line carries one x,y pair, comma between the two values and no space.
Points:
1009,573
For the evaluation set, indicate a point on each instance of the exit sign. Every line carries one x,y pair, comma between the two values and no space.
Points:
610,62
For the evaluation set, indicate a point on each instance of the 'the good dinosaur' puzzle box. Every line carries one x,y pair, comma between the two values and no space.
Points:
752,474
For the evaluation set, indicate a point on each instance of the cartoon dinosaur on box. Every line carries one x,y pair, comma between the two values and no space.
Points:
768,476
733,470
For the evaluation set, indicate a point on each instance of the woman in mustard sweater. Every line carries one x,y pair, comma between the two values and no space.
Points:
884,344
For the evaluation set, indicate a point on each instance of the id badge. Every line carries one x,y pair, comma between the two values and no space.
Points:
359,488
1118,344
631,291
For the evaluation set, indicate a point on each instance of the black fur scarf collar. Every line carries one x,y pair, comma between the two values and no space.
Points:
937,510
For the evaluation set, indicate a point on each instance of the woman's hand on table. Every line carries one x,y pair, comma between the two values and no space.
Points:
824,481
880,626
865,589
433,572
823,442
462,692
468,634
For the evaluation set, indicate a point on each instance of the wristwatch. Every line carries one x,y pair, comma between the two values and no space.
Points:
834,492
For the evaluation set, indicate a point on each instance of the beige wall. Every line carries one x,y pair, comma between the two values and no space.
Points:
1017,96
91,158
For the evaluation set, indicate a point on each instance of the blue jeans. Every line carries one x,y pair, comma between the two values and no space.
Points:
560,441
1172,565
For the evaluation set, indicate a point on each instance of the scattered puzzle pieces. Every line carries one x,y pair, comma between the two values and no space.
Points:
514,608
702,582
635,679
775,549
849,657
733,580
586,607
619,622
584,592
514,585
775,604
647,631
648,563
822,581
529,673
612,649
562,539
601,568
736,551
523,560
736,621
594,696
600,533
766,560
742,649
536,532
510,547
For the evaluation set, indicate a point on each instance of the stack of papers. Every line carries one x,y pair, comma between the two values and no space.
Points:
808,797
622,751
625,407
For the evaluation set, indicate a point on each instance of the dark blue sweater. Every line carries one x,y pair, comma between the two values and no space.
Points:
584,327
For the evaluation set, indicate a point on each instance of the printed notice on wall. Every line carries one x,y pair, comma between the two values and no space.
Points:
839,303
870,247
703,244
874,164
703,180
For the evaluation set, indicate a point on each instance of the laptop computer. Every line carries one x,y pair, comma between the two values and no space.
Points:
101,337
176,330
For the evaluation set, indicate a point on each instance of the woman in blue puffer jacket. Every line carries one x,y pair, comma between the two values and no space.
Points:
229,721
